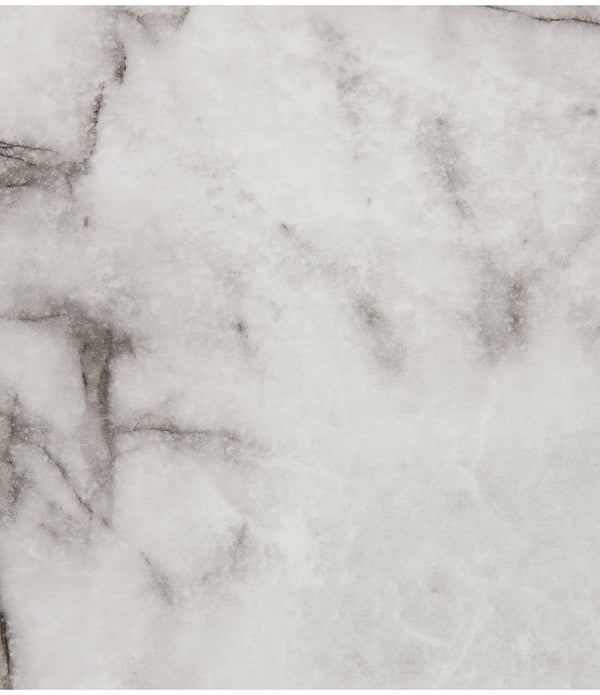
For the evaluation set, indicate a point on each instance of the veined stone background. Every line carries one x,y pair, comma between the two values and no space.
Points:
299,347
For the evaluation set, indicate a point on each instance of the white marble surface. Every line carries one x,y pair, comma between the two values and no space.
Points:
299,347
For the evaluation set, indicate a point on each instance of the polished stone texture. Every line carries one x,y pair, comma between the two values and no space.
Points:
299,347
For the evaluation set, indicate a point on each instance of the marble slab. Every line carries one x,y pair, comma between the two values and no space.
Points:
299,347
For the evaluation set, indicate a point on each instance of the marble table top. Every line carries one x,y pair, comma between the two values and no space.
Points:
299,347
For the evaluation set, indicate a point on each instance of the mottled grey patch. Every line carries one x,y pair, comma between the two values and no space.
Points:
463,207
98,344
291,233
384,343
502,312
156,20
241,331
13,431
6,667
161,580
25,165
18,429
11,487
353,85
437,140
241,327
8,492
82,167
119,57
238,552
234,560
370,314
326,32
64,527
349,82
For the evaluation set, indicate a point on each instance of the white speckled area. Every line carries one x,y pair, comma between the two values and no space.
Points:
299,347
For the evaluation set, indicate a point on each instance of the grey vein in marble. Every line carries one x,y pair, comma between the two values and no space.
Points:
299,347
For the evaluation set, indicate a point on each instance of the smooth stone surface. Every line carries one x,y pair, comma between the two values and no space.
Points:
299,347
